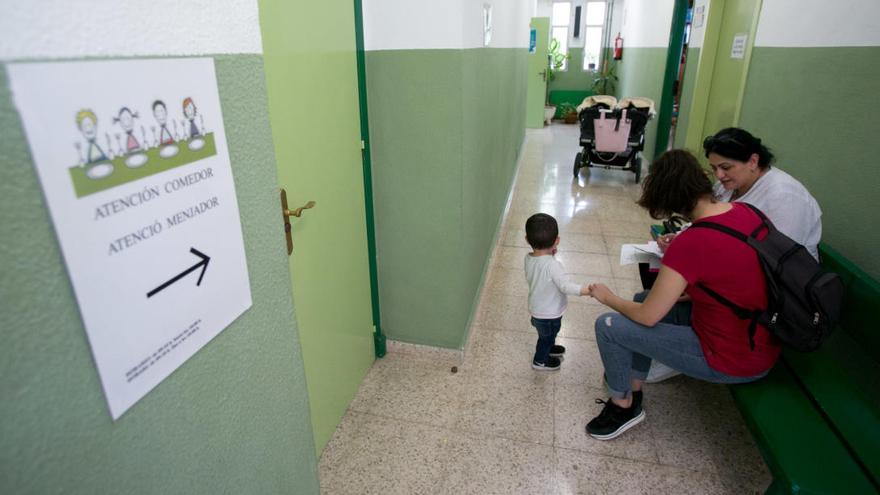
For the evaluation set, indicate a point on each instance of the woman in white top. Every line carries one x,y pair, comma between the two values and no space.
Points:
742,166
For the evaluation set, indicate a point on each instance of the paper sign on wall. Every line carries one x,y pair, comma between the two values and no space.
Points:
738,48
134,166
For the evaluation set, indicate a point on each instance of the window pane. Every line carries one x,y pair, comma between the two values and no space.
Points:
592,46
561,13
595,13
561,35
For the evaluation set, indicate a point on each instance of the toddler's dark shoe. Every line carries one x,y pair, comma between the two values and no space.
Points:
557,350
552,364
614,420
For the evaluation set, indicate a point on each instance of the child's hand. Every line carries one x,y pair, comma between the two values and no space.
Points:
600,292
585,290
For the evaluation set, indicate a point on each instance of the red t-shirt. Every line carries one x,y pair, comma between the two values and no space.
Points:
730,268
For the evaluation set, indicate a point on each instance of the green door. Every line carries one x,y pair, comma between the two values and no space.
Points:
537,88
311,77
739,20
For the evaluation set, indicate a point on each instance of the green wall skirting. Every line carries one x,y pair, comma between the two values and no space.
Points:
641,73
446,127
815,108
233,419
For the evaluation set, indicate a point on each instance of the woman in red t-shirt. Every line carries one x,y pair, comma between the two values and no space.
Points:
711,343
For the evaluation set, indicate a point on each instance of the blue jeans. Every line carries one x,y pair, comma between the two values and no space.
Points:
547,330
627,348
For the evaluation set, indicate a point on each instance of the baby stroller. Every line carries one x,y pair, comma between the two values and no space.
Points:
595,154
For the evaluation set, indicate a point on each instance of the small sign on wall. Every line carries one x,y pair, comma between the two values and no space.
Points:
699,15
738,48
133,163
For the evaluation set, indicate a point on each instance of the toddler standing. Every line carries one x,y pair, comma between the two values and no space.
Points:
548,289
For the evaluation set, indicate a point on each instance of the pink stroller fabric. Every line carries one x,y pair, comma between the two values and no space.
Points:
611,134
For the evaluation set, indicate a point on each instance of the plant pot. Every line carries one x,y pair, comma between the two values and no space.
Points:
571,118
549,112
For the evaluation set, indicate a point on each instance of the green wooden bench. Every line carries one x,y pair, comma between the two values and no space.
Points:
816,416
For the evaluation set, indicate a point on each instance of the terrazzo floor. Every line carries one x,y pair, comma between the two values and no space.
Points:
499,427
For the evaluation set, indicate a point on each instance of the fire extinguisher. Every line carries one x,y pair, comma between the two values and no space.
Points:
618,47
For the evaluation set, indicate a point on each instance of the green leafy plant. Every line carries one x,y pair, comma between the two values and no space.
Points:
605,82
566,108
555,61
568,112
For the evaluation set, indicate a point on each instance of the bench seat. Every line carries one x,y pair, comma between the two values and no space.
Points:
816,416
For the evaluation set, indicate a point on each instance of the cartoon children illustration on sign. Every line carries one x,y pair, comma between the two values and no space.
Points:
87,122
125,119
195,134
189,111
166,140
95,159
161,114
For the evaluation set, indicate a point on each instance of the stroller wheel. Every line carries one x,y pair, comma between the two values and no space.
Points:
637,168
577,163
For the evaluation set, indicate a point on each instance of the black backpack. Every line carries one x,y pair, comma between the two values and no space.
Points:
804,301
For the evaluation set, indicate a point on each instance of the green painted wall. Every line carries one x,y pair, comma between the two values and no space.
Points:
446,127
821,125
575,77
641,73
687,98
232,419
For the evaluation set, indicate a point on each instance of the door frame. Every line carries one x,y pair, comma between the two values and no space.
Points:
378,336
694,134
673,59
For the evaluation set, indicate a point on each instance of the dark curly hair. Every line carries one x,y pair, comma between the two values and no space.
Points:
541,231
674,185
739,145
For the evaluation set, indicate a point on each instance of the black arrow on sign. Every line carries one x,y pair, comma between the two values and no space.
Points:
203,263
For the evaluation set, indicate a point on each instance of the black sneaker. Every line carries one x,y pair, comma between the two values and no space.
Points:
614,420
637,400
557,350
552,364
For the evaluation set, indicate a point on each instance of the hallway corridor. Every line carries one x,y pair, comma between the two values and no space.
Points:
499,427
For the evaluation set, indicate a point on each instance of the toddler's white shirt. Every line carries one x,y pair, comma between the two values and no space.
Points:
548,287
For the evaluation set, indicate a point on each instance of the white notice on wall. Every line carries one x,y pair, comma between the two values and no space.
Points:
738,48
133,162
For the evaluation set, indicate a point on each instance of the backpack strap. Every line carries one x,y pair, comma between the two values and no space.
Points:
721,228
743,314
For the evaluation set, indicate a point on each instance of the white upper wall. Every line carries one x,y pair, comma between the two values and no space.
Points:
37,29
412,24
646,23
544,8
804,23
446,24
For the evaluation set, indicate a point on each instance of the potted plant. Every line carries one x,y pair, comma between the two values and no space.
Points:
605,82
569,112
555,61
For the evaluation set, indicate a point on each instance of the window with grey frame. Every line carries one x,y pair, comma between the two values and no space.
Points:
594,25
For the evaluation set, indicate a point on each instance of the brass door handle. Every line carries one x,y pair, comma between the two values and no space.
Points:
297,212
286,214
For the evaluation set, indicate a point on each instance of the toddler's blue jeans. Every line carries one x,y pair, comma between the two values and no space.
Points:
547,330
